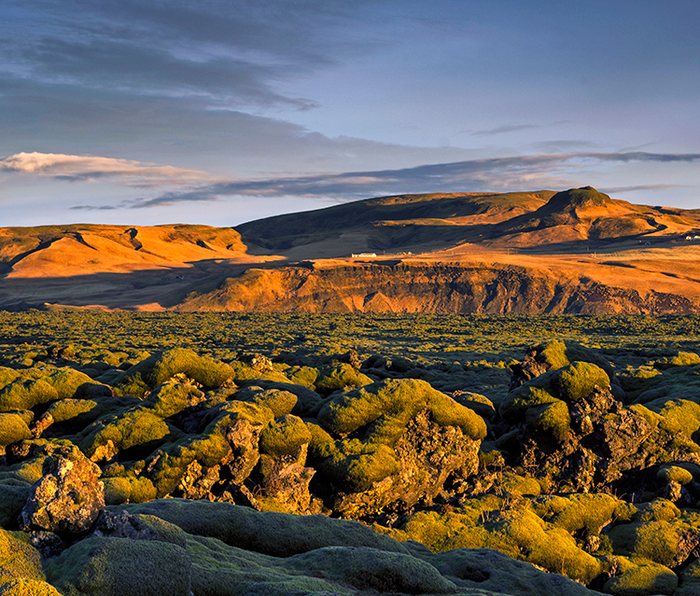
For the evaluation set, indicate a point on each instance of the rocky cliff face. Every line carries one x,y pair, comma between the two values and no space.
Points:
438,288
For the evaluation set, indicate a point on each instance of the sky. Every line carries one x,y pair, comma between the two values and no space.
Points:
219,112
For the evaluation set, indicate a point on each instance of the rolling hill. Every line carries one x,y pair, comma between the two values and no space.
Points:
575,251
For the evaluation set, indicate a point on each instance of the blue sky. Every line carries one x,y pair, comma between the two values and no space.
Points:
218,112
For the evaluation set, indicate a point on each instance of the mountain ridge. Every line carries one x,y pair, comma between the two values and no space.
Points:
576,250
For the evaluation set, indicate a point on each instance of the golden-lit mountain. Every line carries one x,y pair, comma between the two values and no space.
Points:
571,251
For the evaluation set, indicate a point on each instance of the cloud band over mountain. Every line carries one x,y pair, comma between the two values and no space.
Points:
501,173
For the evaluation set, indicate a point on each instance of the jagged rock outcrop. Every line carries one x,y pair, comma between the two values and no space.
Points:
69,496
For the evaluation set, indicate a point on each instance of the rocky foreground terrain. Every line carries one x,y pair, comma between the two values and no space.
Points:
575,251
174,473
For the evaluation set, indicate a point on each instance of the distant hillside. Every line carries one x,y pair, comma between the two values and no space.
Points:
575,251
433,221
392,222
584,214
84,249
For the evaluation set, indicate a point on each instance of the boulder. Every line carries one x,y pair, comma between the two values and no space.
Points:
69,496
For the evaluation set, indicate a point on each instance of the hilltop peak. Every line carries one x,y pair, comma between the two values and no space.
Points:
578,198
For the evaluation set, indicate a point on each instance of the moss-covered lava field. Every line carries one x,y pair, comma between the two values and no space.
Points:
162,453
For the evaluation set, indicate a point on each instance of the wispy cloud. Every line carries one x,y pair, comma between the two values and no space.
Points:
231,53
504,129
497,174
640,187
78,167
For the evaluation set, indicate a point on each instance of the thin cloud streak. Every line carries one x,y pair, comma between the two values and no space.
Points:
503,173
650,187
78,167
504,129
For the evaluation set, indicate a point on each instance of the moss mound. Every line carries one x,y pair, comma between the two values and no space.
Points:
284,436
119,433
580,379
13,428
162,366
271,533
116,566
170,398
281,402
340,376
567,385
640,577
18,558
385,408
24,394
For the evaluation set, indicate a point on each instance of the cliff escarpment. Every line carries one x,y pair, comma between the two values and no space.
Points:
426,287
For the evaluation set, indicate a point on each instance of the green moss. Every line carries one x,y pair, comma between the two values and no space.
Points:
129,430
641,577
13,428
162,366
7,375
303,375
279,401
653,540
126,489
243,373
372,571
690,580
447,412
66,409
557,551
356,465
514,484
387,406
284,436
67,381
340,376
511,527
131,385
166,531
231,411
13,497
634,381
171,397
269,532
651,417
552,418
674,474
680,359
18,558
684,413
481,404
579,380
28,587
117,490
535,393
24,394
553,354
577,512
117,566
656,510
